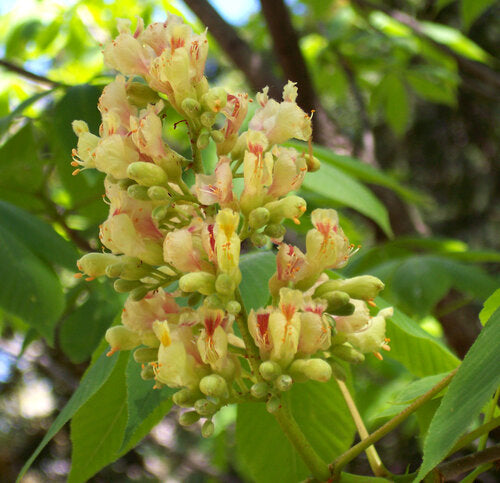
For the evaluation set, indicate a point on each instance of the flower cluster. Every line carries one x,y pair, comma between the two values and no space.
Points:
165,239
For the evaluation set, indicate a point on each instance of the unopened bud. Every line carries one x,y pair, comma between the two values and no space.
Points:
258,218
273,404
185,398
225,284
259,390
205,408
141,95
207,119
139,293
259,240
215,99
315,369
336,300
147,373
95,264
203,140
347,309
149,338
214,386
129,268
338,371
291,207
138,192
284,382
364,287
270,370
233,307
313,163
202,282
124,183
217,136
123,286
347,353
120,337
207,429
145,355
189,418
213,302
191,107
158,193
146,174
159,213
194,299
275,230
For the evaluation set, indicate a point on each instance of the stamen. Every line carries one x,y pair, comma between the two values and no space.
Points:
378,355
112,351
385,347
78,275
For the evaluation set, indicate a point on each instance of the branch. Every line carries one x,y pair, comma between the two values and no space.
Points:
459,466
30,75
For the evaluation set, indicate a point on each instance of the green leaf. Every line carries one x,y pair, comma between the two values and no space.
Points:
430,87
490,306
264,450
38,236
396,105
98,426
473,385
33,291
418,351
142,400
341,188
470,10
94,377
256,269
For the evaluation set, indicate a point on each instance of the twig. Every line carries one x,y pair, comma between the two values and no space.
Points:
30,75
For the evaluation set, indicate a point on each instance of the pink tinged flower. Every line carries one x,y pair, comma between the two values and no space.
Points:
282,121
212,341
217,187
208,241
315,332
290,263
84,155
227,241
257,175
183,249
147,132
258,325
113,155
288,172
326,244
356,321
158,34
235,111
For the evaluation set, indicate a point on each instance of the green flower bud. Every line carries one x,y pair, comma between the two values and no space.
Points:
185,398
291,207
275,230
146,174
139,293
217,136
147,373
205,408
336,300
315,369
194,299
158,193
207,119
124,183
347,353
213,302
95,264
123,286
129,268
364,287
273,404
259,240
203,140
215,99
150,339
202,282
338,371
233,307
258,218
347,309
141,95
225,284
120,337
284,382
138,192
145,355
189,418
191,107
207,429
270,370
259,390
159,213
313,163
214,386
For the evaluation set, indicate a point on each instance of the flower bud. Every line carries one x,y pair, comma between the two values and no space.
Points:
129,268
145,355
159,213
191,107
270,370
259,390
123,286
275,230
284,382
259,240
146,174
158,193
147,373
336,300
207,119
139,293
124,183
345,310
258,218
338,371
95,264
149,338
213,302
217,136
315,369
291,207
347,353
365,287
194,299
202,282
215,99
313,163
205,408
138,192
233,307
207,429
214,386
203,140
189,418
141,95
273,404
185,398
120,337
225,284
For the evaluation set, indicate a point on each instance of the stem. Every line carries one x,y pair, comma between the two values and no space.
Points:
252,350
468,438
357,449
490,411
314,462
471,477
197,159
374,460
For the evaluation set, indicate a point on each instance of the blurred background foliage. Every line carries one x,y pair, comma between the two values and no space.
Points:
406,97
